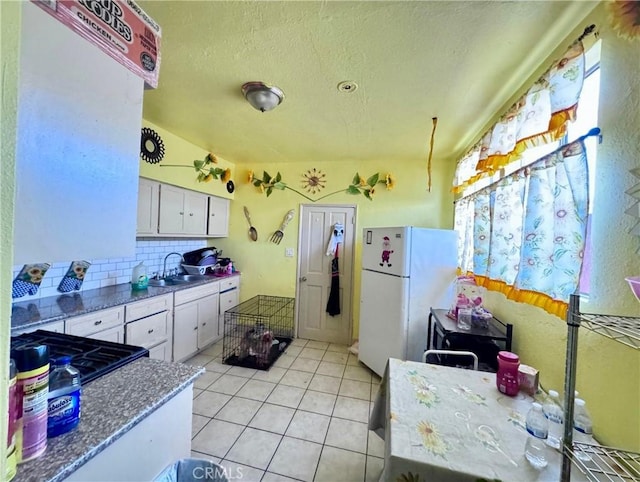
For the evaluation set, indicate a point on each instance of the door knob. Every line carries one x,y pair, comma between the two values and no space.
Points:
303,278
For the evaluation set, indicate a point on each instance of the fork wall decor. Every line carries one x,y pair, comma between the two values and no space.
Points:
279,234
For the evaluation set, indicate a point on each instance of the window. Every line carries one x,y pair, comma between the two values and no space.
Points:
523,216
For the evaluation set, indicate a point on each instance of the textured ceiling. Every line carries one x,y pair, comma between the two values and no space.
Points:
458,61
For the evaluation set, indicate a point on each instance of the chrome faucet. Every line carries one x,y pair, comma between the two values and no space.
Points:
164,267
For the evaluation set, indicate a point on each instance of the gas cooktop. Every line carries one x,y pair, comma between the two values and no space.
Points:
92,358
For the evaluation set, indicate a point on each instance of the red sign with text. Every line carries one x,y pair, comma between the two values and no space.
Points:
119,27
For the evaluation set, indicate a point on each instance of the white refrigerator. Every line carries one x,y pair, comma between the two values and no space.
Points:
405,271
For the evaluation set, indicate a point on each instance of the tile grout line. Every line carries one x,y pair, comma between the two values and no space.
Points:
295,409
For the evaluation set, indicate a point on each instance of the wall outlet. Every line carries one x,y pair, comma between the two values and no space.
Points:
288,252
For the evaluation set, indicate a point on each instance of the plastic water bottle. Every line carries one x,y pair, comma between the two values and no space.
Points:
582,427
555,418
64,398
535,450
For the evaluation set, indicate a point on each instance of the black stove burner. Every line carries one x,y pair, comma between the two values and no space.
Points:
92,358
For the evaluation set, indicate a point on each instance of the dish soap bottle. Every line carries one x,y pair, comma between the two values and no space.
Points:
139,279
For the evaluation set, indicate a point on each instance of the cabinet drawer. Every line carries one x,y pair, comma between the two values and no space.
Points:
192,294
148,331
56,327
86,325
147,307
229,283
228,300
160,352
115,335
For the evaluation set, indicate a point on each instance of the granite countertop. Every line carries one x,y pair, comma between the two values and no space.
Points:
31,313
111,406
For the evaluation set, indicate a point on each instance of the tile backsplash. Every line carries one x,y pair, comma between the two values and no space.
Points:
105,272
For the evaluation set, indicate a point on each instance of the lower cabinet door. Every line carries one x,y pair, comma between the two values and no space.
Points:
161,352
207,320
185,330
228,300
115,334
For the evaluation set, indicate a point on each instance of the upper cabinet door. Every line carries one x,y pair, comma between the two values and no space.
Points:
171,210
195,213
77,147
166,210
218,217
148,199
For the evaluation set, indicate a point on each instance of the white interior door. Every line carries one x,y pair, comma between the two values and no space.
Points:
314,273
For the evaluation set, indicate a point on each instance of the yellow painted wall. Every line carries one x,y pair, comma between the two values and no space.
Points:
608,372
266,269
10,17
180,152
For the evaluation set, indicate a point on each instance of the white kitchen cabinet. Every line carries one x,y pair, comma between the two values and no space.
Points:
148,323
166,210
218,225
148,201
115,335
208,319
56,327
77,146
185,331
161,351
141,453
92,324
195,319
182,211
195,216
229,297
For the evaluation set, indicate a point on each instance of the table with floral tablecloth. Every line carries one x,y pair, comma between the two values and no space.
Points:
451,424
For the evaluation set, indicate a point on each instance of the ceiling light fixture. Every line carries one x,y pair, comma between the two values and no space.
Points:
261,96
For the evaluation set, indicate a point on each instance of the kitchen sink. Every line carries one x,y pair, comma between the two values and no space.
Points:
188,278
177,280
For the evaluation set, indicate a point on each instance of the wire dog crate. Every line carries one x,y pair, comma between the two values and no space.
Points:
257,331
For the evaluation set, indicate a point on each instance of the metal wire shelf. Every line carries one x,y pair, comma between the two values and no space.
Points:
605,463
600,463
624,329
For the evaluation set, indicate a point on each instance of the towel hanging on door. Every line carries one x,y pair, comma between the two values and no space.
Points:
337,236
333,303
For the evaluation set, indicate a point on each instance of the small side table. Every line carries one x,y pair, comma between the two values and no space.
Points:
441,328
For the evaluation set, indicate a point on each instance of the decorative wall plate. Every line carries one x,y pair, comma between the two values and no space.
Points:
151,146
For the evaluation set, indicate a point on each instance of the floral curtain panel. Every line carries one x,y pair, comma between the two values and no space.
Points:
539,116
525,234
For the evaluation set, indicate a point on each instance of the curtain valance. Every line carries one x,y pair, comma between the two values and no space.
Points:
540,116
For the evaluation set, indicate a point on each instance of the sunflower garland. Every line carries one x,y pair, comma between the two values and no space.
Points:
206,169
359,184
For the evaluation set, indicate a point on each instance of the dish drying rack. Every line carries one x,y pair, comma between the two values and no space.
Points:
607,463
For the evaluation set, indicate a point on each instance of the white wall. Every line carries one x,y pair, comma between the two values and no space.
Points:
78,143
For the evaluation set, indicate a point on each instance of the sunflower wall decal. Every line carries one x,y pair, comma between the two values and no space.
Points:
206,170
313,181
625,18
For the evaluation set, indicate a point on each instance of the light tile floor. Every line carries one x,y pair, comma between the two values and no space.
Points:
304,419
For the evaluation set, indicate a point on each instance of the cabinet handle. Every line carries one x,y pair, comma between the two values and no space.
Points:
181,213
96,323
195,328
203,324
190,214
150,331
